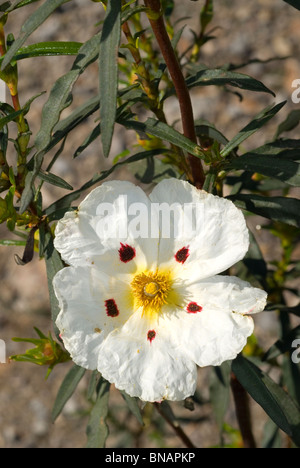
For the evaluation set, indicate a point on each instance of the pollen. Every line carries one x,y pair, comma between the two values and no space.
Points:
151,290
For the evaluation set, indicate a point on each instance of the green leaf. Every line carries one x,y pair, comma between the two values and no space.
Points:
133,406
165,132
42,49
108,71
64,127
95,133
54,180
285,210
255,262
206,15
271,436
58,100
13,5
53,265
222,77
270,396
269,165
67,389
291,122
97,429
30,25
294,3
128,12
59,97
220,392
259,121
205,128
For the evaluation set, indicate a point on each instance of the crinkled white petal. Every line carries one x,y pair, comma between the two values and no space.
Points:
209,337
151,370
83,321
226,293
216,239
219,330
113,214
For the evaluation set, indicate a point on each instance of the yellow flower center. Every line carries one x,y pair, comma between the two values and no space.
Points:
151,291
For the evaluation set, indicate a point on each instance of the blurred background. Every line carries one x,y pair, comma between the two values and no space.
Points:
243,30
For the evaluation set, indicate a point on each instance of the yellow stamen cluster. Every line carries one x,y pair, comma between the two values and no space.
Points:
151,290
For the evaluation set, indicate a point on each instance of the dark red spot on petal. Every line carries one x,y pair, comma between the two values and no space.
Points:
151,335
111,308
182,255
193,308
126,253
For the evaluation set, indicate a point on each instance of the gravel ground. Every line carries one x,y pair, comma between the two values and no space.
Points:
260,29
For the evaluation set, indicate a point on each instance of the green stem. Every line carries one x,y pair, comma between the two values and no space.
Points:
158,26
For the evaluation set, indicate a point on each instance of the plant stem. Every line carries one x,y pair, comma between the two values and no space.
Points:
158,26
179,431
241,400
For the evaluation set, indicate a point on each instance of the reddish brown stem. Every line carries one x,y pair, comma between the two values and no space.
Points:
16,102
158,26
241,400
177,429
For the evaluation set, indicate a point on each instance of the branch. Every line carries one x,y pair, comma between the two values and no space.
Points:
241,400
158,26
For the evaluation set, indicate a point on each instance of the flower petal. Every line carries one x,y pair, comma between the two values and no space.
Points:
209,337
113,216
141,360
227,293
208,234
84,320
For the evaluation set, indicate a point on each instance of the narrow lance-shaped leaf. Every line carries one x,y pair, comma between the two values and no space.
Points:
285,210
67,389
270,396
97,429
133,406
220,392
59,97
42,49
53,265
30,25
291,122
108,71
269,165
58,100
222,77
54,180
259,121
165,132
13,5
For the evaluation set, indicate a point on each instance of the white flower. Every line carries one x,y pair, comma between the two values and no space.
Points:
145,311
